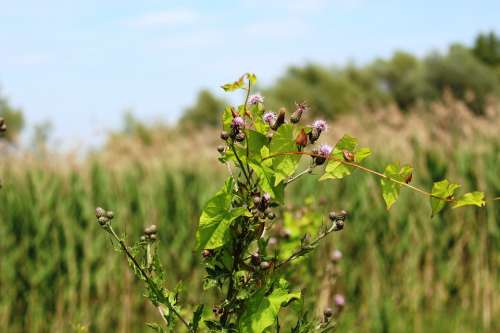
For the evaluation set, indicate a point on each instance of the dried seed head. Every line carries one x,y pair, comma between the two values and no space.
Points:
224,135
99,212
348,156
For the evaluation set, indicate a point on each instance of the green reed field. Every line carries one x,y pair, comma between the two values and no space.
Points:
401,271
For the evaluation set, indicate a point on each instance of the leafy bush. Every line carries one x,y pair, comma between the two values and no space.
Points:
205,112
13,117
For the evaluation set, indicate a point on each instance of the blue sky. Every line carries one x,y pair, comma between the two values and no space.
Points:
80,64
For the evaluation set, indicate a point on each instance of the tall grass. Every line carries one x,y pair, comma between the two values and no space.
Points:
402,271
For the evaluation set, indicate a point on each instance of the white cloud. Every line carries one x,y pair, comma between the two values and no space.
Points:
165,18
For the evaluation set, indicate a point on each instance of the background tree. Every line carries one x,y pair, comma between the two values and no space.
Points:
13,116
206,111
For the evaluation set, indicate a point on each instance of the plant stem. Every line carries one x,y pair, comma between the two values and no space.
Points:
150,282
241,163
291,179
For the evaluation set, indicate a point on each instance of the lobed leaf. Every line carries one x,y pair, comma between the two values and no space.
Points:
441,191
471,199
390,189
284,142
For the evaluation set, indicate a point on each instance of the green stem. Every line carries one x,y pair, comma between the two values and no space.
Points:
297,176
240,163
150,282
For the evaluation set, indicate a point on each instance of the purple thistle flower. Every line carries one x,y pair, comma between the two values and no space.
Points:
269,117
339,300
320,125
255,99
238,122
325,150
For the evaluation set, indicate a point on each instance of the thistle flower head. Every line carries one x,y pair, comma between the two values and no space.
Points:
320,125
325,150
269,117
255,99
339,300
238,122
266,196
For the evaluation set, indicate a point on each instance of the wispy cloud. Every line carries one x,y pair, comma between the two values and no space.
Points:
174,17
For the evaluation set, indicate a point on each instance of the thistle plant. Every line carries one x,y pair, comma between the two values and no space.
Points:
249,240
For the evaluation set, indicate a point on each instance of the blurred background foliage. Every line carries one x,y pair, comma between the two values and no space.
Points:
401,272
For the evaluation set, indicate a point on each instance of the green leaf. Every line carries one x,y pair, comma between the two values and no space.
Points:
227,118
238,84
213,227
361,154
335,169
390,189
252,78
255,143
196,317
261,310
471,199
441,191
267,180
283,141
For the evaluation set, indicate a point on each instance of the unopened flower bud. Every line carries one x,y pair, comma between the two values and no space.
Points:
103,220
342,215
272,241
339,300
256,200
255,258
335,256
150,230
328,312
314,135
339,225
152,237
300,108
265,265
3,126
332,215
143,238
99,212
348,156
224,135
301,139
238,122
220,149
110,214
240,136
280,120
206,253
271,215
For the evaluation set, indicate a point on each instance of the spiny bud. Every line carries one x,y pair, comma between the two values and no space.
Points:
280,120
299,110
265,265
301,139
348,156
99,212
224,135
110,214
408,178
220,149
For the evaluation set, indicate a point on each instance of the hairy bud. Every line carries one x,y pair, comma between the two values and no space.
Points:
224,135
328,312
220,149
151,230
280,120
110,214
265,265
300,108
314,135
408,178
103,220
